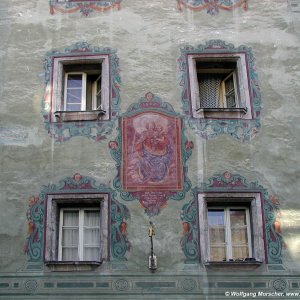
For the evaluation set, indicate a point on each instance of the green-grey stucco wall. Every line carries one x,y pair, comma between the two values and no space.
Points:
147,37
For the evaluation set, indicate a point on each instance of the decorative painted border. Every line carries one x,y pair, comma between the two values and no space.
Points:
34,245
86,7
212,6
239,129
181,285
154,104
95,130
228,182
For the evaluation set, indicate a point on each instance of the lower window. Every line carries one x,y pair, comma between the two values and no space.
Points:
79,234
76,231
231,227
229,234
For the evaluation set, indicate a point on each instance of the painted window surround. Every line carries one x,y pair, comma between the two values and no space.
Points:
51,239
251,199
268,244
94,124
240,126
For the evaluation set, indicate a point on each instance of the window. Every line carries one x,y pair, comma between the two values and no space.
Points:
219,86
229,234
79,234
231,228
80,88
76,231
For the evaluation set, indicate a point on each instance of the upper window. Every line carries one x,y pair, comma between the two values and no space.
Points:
80,88
219,86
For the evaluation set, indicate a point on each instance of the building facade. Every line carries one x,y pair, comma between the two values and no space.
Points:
149,149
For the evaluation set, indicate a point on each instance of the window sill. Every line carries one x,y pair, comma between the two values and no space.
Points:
221,113
71,266
232,265
71,116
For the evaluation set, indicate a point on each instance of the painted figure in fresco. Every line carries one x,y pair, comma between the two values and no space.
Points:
154,150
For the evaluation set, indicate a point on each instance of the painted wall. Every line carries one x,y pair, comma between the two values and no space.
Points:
147,37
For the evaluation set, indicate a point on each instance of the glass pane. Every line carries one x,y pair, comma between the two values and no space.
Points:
91,237
237,217
239,236
73,107
70,218
74,81
69,237
91,253
217,253
92,218
240,252
215,217
74,96
70,254
230,92
217,235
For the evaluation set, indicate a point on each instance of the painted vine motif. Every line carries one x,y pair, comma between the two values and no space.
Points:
212,7
85,7
228,182
95,130
239,129
151,153
119,213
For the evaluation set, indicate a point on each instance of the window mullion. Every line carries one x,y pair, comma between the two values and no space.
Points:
83,91
80,242
228,234
248,232
61,215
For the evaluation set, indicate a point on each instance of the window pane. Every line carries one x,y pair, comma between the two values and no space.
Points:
69,237
230,92
239,236
70,218
74,96
91,237
74,81
91,248
217,235
240,252
70,254
215,217
237,217
91,253
217,253
92,218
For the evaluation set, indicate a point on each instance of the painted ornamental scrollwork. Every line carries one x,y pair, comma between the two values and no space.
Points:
228,183
85,7
78,184
212,7
241,129
96,130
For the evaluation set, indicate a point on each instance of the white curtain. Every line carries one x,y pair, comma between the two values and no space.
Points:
70,236
91,236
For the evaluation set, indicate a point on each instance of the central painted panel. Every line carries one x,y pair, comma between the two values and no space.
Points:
151,156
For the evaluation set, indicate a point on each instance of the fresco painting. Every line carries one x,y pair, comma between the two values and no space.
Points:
151,152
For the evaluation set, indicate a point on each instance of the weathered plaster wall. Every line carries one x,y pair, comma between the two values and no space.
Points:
148,37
